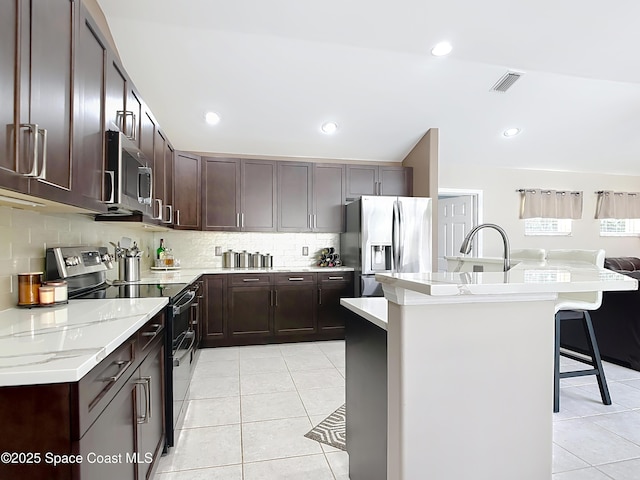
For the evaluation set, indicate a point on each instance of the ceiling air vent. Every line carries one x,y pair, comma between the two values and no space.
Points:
506,81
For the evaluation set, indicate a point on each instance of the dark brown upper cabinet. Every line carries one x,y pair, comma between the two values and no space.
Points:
295,200
239,195
36,83
11,166
379,180
88,128
329,189
186,192
310,197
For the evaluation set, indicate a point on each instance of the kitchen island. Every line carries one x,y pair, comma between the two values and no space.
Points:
469,360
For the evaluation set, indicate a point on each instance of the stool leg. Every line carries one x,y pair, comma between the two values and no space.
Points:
556,366
595,356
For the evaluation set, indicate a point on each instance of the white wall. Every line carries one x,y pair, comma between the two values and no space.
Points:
501,206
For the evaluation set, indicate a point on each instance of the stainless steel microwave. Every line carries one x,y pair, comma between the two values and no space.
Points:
129,177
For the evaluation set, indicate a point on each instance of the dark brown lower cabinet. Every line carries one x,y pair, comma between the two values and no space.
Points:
112,419
331,315
244,309
294,306
213,314
250,313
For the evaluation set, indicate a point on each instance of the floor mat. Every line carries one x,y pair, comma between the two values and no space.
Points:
331,431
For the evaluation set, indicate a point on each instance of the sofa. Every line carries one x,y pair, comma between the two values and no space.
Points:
616,323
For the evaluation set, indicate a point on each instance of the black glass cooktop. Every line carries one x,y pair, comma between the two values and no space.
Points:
132,290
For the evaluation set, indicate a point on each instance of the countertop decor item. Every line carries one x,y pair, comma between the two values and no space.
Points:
329,258
28,288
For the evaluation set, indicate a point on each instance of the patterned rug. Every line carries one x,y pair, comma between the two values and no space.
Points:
331,431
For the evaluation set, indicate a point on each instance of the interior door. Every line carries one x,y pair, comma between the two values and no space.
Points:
455,219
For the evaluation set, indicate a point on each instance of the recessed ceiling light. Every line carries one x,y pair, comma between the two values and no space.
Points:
212,118
329,127
441,49
511,132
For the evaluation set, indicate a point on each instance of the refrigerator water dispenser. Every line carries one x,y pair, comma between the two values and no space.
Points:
380,258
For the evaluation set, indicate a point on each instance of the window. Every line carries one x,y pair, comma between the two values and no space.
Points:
619,227
547,226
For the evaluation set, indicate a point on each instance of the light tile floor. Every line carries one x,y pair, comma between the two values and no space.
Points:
250,406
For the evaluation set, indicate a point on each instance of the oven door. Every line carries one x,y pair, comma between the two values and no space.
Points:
180,363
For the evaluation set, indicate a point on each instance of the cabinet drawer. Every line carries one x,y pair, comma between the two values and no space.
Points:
150,331
250,279
335,277
294,278
97,388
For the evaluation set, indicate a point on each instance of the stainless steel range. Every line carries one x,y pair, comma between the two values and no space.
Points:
85,270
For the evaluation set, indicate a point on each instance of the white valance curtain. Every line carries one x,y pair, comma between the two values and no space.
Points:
539,203
619,205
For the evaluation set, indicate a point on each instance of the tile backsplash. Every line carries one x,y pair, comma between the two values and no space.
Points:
197,249
26,234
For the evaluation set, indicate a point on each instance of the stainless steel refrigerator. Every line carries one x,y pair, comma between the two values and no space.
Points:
386,234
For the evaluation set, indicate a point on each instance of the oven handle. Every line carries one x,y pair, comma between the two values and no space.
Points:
191,335
182,304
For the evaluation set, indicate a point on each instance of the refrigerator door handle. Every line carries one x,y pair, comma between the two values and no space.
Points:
400,234
395,237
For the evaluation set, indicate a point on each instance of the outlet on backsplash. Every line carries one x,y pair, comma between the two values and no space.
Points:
218,251
305,251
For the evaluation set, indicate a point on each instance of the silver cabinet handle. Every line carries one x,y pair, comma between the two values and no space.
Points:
315,221
250,279
157,326
145,172
319,296
310,221
123,365
169,209
336,278
159,203
33,128
195,307
112,176
43,171
146,384
177,217
121,116
275,292
296,279
242,220
37,132
237,220
271,298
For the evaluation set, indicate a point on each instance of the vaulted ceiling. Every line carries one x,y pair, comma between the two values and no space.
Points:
276,70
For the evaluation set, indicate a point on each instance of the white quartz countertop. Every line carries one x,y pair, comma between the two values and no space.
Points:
63,343
188,275
373,309
524,278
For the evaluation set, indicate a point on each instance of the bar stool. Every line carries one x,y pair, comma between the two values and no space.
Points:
576,306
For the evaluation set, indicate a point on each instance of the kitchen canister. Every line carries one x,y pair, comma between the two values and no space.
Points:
29,288
229,259
267,260
256,260
129,269
243,259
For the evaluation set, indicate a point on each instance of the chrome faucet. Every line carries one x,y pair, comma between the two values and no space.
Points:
467,242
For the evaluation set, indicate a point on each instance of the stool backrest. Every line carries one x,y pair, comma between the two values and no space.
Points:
537,254
582,300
